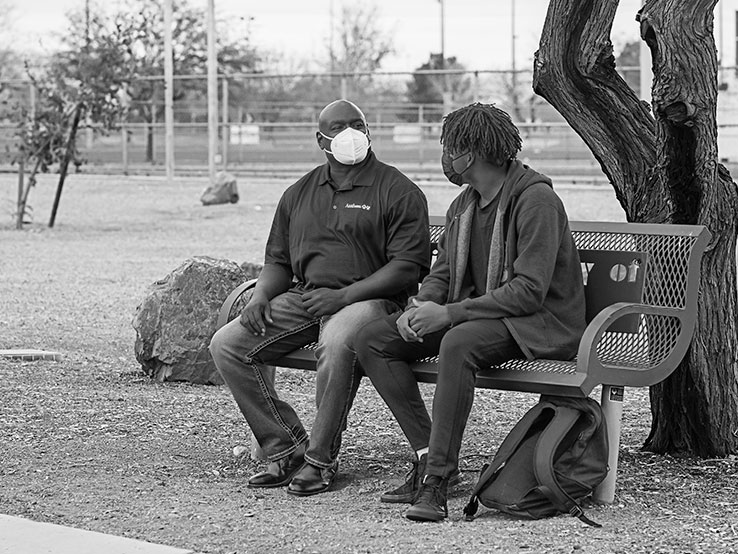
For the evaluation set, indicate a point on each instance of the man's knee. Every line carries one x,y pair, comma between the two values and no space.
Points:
217,345
227,346
372,338
457,346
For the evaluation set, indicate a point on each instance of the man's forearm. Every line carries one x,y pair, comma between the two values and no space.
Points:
273,280
387,281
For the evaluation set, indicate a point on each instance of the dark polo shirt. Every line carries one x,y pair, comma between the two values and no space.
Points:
330,237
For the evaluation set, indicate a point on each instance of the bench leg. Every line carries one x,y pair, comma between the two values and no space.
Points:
257,453
612,408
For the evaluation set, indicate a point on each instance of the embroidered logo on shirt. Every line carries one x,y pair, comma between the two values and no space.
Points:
358,207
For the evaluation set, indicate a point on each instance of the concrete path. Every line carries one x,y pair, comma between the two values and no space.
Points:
23,536
30,355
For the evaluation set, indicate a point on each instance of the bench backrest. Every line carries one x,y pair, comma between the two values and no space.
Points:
669,258
663,262
667,250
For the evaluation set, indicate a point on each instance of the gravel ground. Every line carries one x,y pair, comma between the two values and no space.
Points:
90,441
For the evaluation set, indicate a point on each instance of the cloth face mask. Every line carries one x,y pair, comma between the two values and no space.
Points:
447,163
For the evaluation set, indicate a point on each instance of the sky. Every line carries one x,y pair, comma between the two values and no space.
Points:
478,32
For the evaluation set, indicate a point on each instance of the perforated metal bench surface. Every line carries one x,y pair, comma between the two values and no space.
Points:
638,342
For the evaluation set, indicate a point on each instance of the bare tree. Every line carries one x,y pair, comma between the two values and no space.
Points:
362,44
664,169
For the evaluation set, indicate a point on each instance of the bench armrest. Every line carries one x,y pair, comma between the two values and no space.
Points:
224,315
635,359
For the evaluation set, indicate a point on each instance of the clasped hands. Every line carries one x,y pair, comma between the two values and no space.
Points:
318,302
426,317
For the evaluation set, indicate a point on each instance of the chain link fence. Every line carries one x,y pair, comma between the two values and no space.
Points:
269,120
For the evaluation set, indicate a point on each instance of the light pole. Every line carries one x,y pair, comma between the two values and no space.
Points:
443,34
514,74
212,93
512,38
445,93
330,39
168,92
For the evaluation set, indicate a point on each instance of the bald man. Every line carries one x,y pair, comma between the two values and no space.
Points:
348,244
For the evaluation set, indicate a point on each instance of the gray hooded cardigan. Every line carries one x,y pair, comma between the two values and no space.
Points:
534,277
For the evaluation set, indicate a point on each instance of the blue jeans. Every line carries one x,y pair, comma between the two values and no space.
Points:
241,358
462,351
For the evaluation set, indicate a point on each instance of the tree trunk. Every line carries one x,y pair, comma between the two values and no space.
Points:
663,171
696,410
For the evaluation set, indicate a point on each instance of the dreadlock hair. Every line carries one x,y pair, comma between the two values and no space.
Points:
483,129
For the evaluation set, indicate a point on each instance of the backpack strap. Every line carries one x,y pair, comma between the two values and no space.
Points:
508,447
547,444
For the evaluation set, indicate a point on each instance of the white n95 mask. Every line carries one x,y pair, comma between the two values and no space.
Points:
349,147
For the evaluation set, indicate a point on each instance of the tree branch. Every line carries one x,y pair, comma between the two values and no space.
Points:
575,71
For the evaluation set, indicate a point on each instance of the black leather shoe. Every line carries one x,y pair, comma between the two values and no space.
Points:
287,467
312,480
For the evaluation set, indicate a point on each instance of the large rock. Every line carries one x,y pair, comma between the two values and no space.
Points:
223,191
176,320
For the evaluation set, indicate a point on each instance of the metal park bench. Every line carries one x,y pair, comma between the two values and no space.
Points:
641,288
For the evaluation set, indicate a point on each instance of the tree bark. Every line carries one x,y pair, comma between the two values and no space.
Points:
663,170
696,410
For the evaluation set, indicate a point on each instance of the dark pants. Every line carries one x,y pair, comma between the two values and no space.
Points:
462,350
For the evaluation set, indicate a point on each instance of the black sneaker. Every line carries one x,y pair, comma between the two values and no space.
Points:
405,493
430,503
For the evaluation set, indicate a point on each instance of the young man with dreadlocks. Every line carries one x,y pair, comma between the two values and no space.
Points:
507,284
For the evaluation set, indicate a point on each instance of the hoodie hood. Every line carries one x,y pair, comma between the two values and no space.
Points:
518,178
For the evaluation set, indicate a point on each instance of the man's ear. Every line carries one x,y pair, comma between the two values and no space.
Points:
318,136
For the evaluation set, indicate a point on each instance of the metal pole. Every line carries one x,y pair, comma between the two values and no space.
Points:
88,119
239,118
344,86
612,408
443,48
443,34
21,206
32,100
646,73
225,128
514,77
330,39
168,92
446,93
212,93
124,147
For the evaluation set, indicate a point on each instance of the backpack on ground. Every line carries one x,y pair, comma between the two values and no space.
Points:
556,454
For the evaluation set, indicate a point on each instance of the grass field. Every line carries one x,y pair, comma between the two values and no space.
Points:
90,441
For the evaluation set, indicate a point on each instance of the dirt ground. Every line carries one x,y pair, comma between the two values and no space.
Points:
89,441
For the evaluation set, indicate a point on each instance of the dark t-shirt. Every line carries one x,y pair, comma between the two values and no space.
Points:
329,237
483,222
